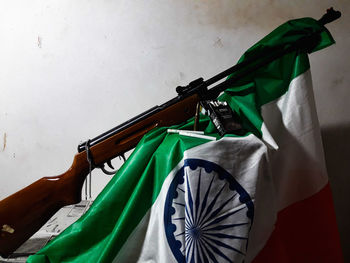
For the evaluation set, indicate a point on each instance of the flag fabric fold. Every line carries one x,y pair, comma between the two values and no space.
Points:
261,197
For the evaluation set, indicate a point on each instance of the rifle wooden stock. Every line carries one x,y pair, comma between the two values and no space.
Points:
25,212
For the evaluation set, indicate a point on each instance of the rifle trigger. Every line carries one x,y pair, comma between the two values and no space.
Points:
109,163
122,156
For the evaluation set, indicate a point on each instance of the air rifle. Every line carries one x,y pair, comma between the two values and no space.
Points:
25,212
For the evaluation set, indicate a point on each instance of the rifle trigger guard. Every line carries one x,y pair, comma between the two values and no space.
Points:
102,167
109,163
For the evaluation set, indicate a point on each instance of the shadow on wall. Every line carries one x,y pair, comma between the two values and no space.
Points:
336,143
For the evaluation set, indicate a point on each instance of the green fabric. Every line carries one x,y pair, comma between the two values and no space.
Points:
271,81
100,233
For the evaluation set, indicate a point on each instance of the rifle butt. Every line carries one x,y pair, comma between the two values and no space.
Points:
26,211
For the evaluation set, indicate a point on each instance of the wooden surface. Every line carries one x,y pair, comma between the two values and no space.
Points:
25,212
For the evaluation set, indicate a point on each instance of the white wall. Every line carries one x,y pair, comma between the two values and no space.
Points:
70,70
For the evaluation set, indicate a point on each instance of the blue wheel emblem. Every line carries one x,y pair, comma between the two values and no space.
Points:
207,214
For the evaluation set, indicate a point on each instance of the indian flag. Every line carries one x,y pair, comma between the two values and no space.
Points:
260,197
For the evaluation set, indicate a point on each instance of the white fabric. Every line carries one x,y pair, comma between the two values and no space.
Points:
297,166
245,159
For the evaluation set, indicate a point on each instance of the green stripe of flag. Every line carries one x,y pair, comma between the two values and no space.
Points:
272,81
